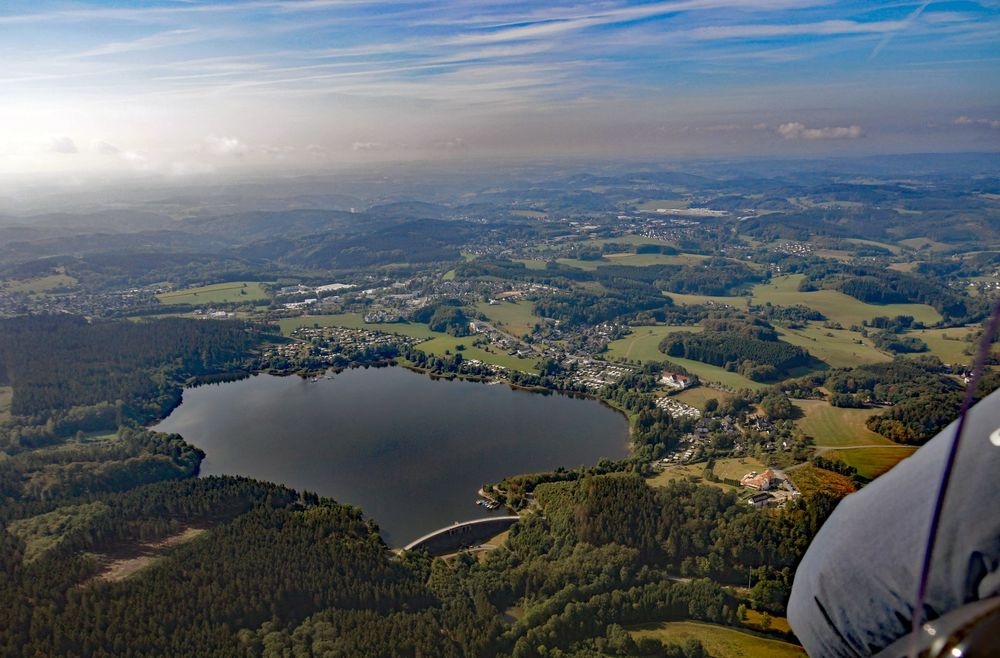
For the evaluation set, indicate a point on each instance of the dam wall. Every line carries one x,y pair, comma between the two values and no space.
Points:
461,535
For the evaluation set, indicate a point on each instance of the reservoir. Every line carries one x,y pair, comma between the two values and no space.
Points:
409,450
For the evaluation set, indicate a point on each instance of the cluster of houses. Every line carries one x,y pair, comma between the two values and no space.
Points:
678,409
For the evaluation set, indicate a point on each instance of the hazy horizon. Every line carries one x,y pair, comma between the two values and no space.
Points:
187,90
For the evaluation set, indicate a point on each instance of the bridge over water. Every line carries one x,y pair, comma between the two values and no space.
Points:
461,535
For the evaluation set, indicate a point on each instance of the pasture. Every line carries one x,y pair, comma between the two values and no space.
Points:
872,462
718,640
40,284
949,344
839,348
699,395
219,293
643,343
831,426
6,393
835,305
516,317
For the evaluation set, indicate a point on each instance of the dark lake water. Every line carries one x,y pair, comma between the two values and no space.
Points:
409,450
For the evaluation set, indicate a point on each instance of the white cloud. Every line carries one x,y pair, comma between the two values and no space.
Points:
798,130
63,144
969,121
105,148
226,146
367,146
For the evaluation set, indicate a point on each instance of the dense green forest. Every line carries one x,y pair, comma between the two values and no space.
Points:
66,371
755,358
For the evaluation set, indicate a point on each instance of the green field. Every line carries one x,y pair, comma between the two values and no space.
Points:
219,293
686,472
6,392
831,426
686,300
39,284
640,260
925,244
41,533
436,343
443,343
947,344
837,347
531,263
643,343
719,641
697,396
735,468
516,317
709,373
448,276
630,239
836,306
872,462
652,205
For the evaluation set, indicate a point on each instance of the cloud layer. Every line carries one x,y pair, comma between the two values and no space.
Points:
174,86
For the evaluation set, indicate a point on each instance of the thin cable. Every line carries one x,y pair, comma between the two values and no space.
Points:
979,365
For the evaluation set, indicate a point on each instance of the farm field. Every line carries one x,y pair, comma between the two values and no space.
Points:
443,343
947,344
836,306
39,284
652,205
734,468
872,462
710,373
697,396
718,640
643,343
836,347
686,472
219,293
630,238
639,260
811,480
924,244
531,263
686,299
516,317
831,426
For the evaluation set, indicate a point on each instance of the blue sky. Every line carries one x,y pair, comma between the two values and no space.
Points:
189,87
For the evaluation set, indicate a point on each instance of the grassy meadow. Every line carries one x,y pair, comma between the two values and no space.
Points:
831,426
39,285
699,395
872,462
839,348
517,318
219,293
643,343
718,640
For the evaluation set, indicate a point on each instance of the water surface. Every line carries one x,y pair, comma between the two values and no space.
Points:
409,450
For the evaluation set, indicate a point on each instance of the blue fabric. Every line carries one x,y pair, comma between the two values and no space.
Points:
855,590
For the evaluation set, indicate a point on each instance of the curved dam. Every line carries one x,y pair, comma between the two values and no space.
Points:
461,535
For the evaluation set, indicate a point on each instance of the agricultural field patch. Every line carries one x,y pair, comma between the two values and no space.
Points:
219,293
811,480
839,348
835,305
516,317
699,395
718,640
872,462
831,426
39,285
643,343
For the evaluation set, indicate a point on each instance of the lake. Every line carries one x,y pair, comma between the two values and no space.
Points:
409,450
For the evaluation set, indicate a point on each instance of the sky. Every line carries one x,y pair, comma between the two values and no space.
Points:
192,88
